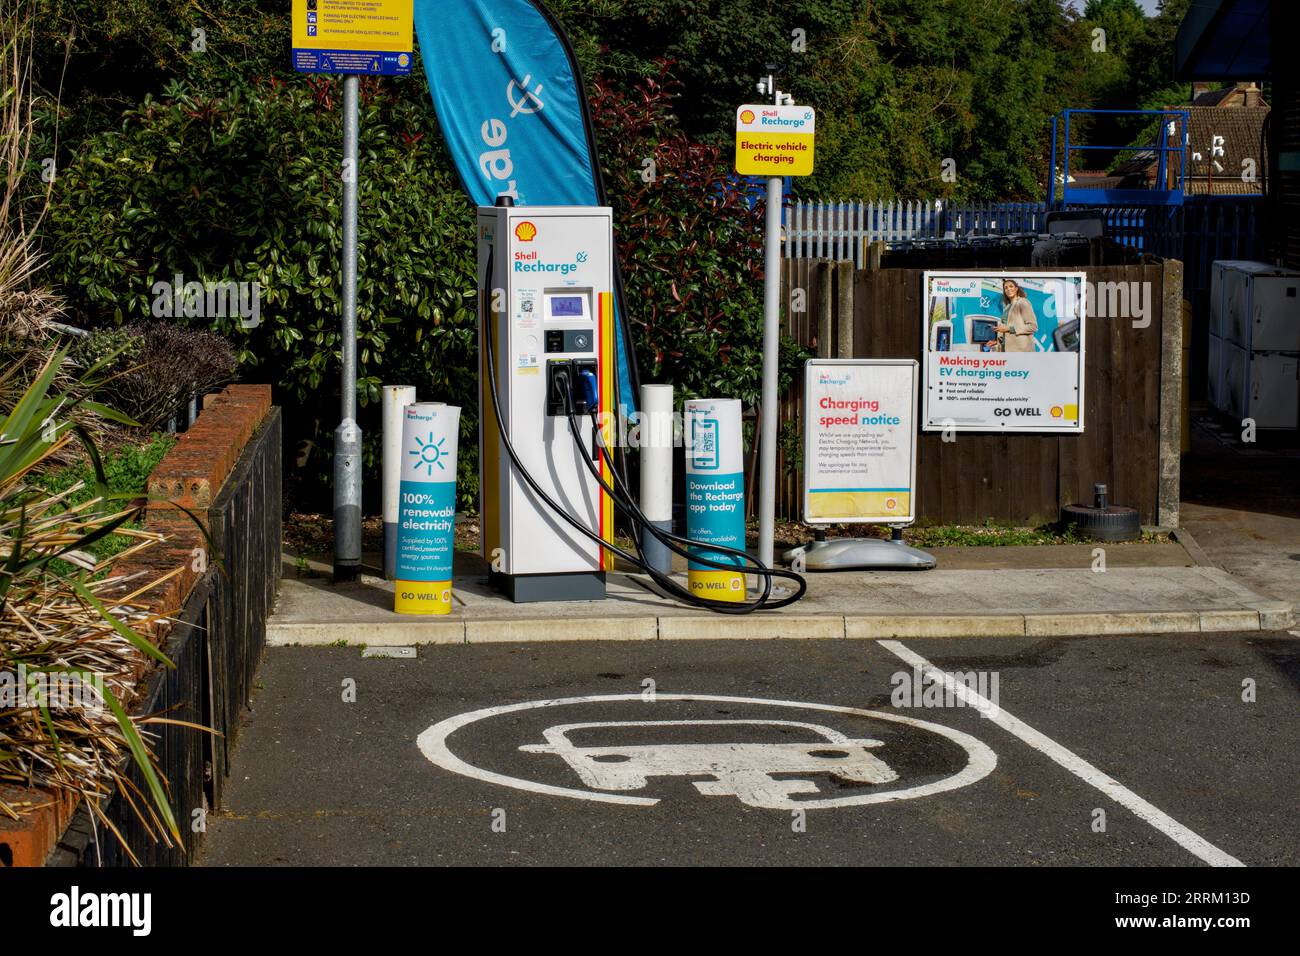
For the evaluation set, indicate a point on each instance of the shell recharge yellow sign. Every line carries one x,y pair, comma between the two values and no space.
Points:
774,140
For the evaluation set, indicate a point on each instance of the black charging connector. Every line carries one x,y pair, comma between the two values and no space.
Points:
570,387
559,385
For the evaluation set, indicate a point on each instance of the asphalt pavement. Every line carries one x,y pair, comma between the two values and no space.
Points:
1153,750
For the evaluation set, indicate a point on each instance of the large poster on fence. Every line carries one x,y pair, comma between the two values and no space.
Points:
1003,351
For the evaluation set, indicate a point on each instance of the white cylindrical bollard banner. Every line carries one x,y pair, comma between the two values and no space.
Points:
396,398
715,495
656,442
426,525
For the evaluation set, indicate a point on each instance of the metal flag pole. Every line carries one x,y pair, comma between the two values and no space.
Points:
347,437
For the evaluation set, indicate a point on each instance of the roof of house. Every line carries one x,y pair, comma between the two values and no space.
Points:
1241,95
1239,128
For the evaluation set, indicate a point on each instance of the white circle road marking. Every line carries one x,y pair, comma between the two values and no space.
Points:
433,744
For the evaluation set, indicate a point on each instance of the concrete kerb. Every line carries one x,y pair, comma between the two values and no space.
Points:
887,626
638,628
1103,623
1275,615
776,626
395,633
757,626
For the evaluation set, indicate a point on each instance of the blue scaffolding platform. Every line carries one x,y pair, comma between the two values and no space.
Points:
1168,153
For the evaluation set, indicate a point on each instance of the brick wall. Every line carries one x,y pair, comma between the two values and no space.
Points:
189,478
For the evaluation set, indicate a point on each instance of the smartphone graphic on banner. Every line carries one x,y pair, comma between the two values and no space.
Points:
704,443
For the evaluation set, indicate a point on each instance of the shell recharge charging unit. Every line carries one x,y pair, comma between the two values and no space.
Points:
546,281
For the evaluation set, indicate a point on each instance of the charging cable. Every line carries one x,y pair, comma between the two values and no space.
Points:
745,563
625,500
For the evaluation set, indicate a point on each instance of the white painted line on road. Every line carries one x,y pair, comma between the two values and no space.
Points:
1189,841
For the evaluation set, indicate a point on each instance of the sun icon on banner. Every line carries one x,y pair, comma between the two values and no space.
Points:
747,116
430,453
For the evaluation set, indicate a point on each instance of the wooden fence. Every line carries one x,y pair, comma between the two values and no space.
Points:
1132,400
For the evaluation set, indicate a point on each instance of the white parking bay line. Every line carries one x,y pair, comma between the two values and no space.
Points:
1071,761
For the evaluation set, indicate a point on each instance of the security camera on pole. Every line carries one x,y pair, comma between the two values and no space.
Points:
773,142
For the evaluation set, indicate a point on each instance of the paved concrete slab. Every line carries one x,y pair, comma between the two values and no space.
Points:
1241,503
1261,550
939,603
1123,555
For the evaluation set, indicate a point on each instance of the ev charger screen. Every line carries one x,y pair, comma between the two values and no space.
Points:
567,306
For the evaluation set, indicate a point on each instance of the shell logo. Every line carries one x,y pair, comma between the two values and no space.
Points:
891,504
747,116
1057,411
525,231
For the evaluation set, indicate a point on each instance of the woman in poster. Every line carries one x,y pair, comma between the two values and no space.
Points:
1016,331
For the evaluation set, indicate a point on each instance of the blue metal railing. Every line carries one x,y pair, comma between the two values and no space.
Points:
1170,152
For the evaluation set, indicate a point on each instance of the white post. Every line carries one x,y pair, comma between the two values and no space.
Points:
656,499
396,398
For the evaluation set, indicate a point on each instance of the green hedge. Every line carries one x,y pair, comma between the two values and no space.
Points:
246,187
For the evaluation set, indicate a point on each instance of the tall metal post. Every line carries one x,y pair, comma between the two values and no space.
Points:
771,356
347,437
